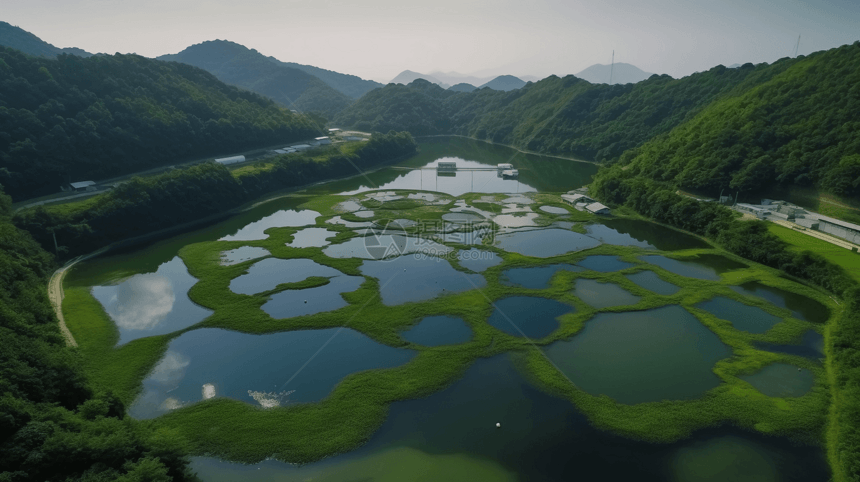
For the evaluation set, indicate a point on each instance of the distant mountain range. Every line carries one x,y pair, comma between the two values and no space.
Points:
20,39
454,78
243,67
407,77
621,74
300,87
502,82
462,87
505,83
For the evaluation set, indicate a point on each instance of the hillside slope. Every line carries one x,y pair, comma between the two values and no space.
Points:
20,39
566,116
237,65
73,119
347,84
798,127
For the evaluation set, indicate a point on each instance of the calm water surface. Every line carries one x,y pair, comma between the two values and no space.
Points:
267,274
477,260
743,317
652,281
706,266
439,330
811,346
530,316
151,304
451,435
642,356
545,243
802,307
235,363
604,263
418,278
603,295
781,380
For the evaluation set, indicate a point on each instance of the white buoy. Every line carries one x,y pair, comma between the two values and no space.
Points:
498,425
306,301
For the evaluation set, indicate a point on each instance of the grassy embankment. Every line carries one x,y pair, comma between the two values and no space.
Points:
357,406
837,255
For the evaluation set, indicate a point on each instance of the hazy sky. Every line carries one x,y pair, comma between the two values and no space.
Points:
378,39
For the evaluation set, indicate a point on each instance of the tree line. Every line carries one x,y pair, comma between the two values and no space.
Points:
143,205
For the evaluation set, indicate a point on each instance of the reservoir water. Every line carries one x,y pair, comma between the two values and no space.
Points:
449,434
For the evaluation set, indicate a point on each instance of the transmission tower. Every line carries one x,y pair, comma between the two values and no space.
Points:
612,67
796,47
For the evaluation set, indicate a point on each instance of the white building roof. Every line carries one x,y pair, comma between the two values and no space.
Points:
596,207
82,184
575,197
323,138
301,146
828,219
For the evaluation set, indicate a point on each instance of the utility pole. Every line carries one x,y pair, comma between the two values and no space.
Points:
612,67
56,248
720,199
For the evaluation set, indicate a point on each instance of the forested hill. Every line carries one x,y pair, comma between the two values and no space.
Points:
238,65
799,127
20,39
565,116
74,119
351,85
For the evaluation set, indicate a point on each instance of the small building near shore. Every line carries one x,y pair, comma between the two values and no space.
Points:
446,166
597,208
574,199
83,186
323,141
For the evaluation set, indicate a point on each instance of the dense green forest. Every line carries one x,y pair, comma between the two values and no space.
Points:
563,116
752,240
798,127
73,118
143,205
790,123
53,424
243,67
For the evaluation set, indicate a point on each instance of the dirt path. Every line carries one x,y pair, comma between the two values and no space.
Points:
56,294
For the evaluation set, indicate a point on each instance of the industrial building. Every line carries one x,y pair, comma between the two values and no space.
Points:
82,186
323,141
